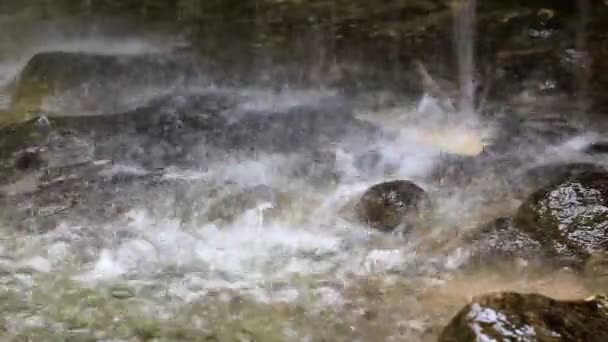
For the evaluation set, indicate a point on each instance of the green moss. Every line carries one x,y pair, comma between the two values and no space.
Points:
27,101
28,98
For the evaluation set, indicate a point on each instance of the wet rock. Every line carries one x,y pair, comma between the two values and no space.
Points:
50,172
121,292
28,160
528,317
120,157
163,131
368,161
386,206
374,163
570,216
524,51
500,240
453,169
64,149
599,147
318,166
76,83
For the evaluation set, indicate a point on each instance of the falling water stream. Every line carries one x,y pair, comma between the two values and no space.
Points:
581,46
464,40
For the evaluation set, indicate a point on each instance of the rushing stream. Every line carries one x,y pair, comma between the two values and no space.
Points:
197,227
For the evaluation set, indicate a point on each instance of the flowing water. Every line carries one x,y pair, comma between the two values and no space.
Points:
309,272
464,39
581,46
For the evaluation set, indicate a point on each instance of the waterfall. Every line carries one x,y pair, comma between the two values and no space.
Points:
581,47
464,37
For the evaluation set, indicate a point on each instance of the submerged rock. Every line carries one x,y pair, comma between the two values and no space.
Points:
27,160
318,167
500,240
388,205
121,292
455,169
569,216
528,317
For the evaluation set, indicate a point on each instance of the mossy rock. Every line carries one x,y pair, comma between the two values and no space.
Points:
570,216
89,82
528,317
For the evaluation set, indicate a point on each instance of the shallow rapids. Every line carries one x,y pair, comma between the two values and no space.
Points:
244,238
162,270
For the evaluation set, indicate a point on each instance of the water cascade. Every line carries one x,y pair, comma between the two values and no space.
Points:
464,42
259,171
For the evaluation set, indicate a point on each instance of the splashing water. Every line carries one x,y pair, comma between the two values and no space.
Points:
310,254
297,267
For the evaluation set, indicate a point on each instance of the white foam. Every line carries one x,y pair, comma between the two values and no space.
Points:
105,267
242,251
242,256
121,169
249,253
383,260
38,264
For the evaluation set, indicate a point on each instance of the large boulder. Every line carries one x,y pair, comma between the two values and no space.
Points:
387,206
85,83
570,215
165,130
93,166
528,317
